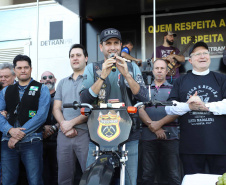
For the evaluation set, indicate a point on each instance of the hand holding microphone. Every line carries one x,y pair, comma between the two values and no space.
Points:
113,68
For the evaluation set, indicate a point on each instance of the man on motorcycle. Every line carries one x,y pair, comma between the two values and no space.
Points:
100,83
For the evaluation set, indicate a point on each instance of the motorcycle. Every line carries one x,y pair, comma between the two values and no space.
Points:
109,129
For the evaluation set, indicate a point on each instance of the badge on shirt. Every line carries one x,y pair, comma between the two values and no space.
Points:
33,88
32,113
31,93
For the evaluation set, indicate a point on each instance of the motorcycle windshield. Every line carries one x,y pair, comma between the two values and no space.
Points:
109,127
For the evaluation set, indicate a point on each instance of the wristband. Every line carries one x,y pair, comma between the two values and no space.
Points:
101,78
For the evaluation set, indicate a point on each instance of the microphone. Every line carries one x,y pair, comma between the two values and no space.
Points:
113,68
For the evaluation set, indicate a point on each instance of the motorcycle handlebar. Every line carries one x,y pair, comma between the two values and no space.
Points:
76,105
156,103
68,105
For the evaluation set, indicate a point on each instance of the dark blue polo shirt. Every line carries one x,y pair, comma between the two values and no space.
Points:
161,94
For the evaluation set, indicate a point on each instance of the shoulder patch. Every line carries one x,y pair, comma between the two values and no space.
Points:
34,88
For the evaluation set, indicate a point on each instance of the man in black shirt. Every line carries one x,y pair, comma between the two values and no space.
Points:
201,102
224,57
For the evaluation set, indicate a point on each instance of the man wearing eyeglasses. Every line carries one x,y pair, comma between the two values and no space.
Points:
50,131
72,139
201,103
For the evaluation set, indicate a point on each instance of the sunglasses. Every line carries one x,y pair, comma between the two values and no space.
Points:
45,77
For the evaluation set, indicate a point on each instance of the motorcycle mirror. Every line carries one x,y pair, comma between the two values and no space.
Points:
131,110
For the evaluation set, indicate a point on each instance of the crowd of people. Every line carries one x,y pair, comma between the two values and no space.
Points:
48,140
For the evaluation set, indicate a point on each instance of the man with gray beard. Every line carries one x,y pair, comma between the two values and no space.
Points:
50,131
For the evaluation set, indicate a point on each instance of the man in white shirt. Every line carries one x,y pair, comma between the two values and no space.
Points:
201,103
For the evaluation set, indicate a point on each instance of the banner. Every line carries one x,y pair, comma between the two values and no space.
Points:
209,27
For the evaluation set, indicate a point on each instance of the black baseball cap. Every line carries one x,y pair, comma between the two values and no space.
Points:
110,33
197,44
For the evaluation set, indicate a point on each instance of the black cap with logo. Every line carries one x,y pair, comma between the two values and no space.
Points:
110,33
197,44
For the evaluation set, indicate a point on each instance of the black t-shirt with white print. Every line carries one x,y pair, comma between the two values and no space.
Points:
201,132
